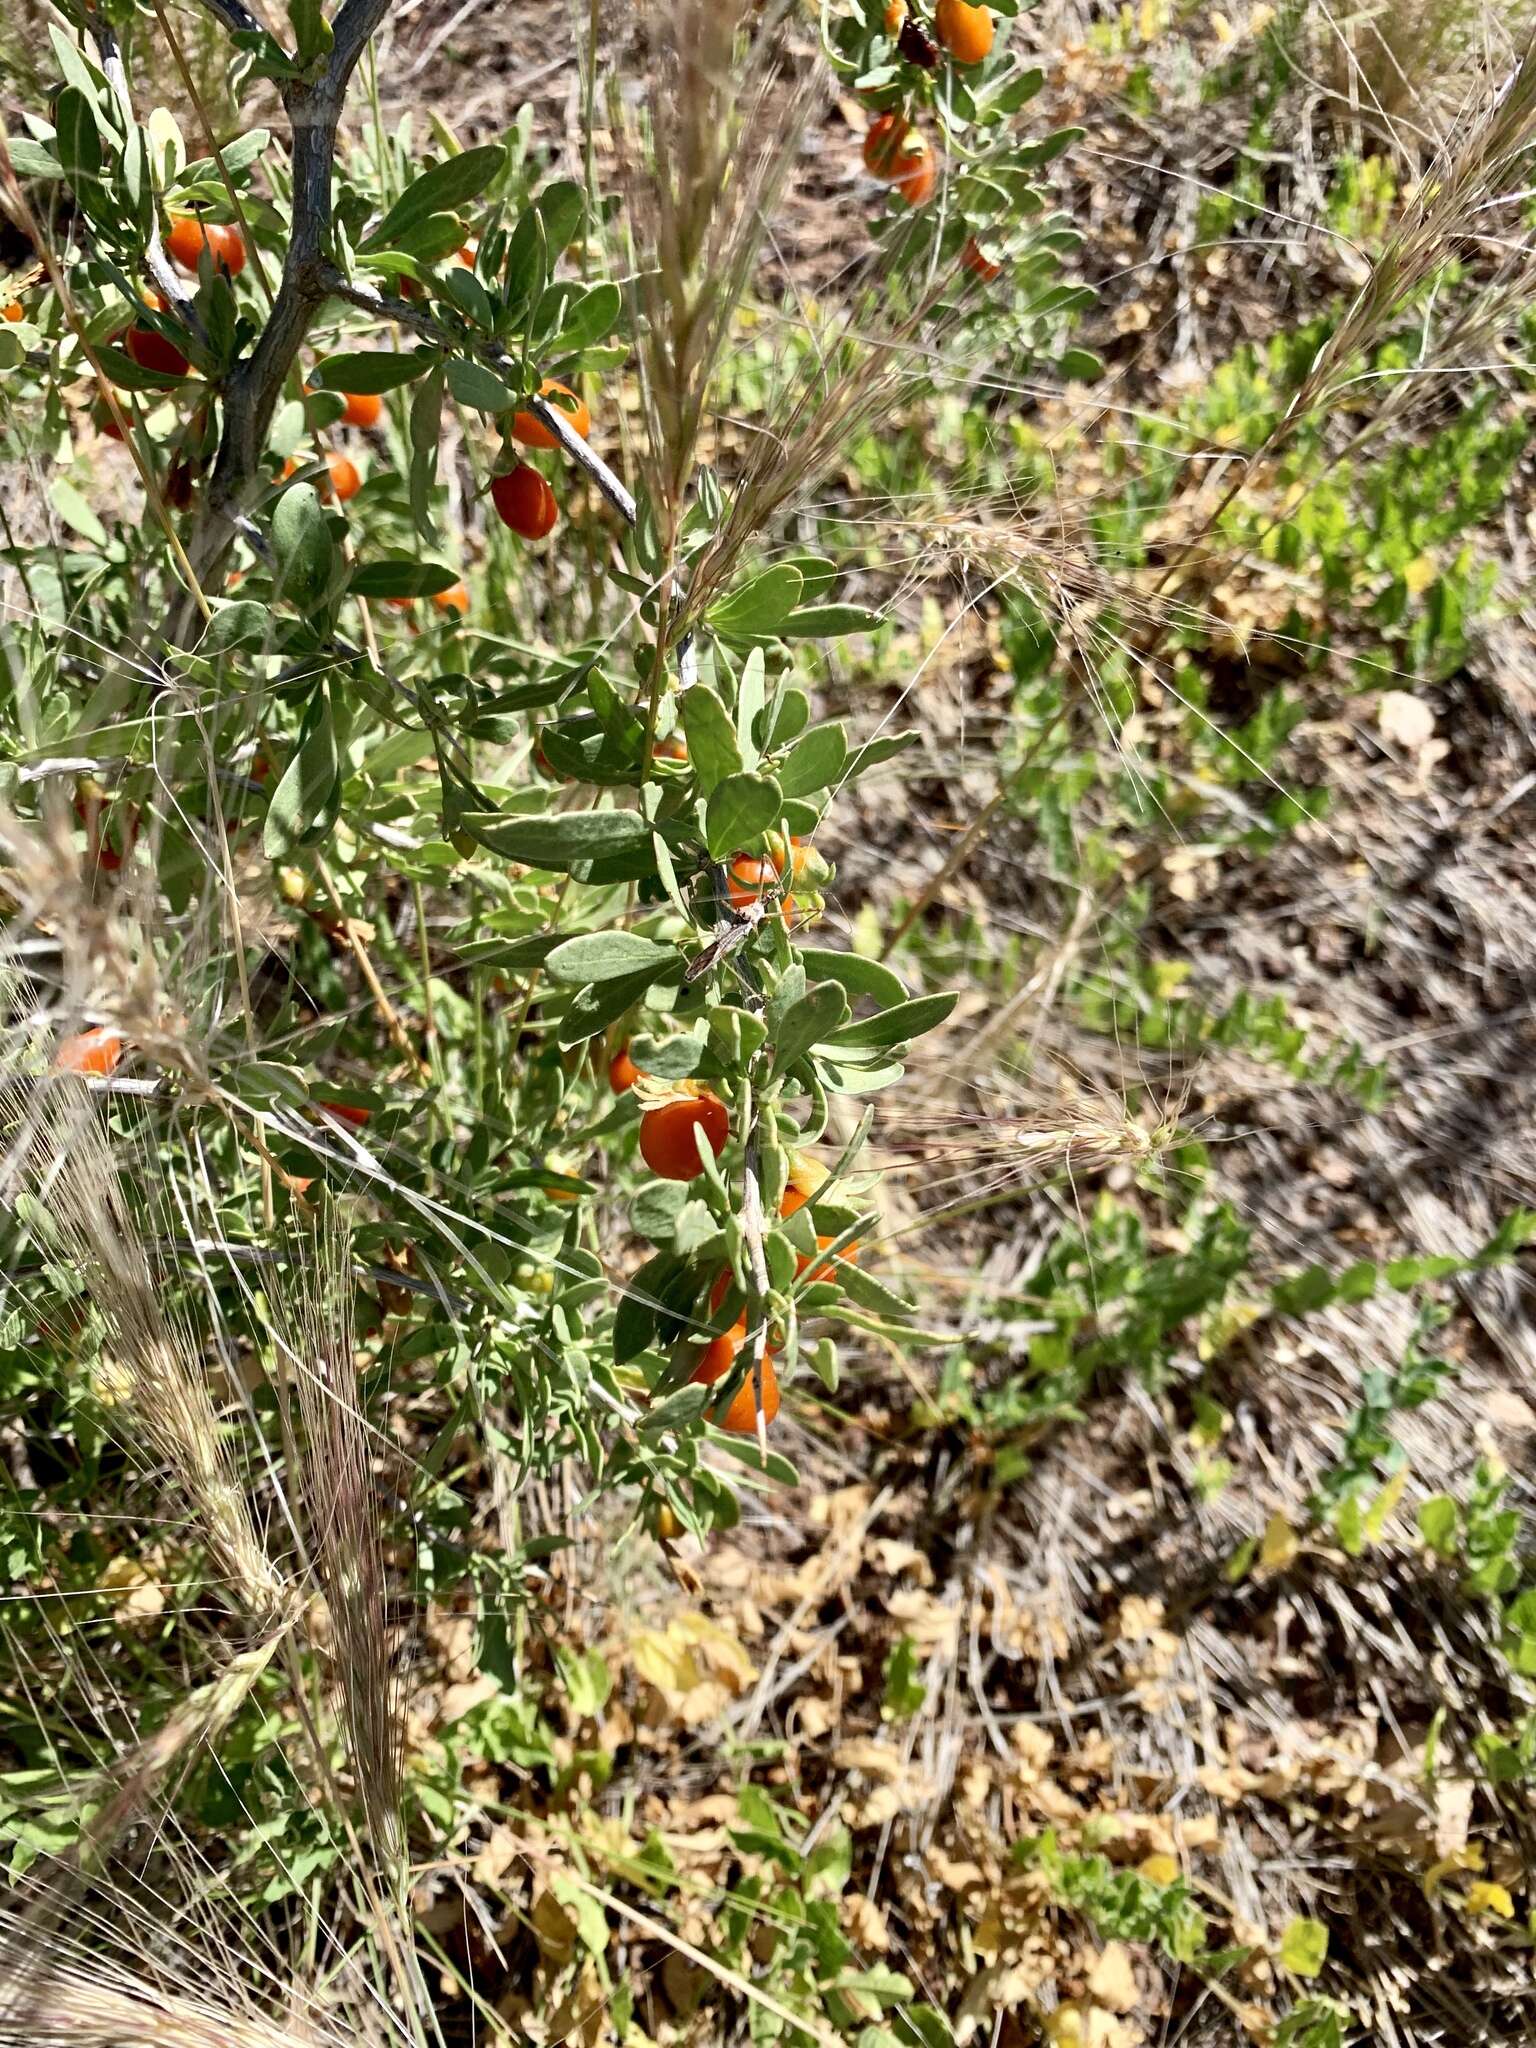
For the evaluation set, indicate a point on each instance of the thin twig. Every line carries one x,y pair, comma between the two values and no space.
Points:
491,353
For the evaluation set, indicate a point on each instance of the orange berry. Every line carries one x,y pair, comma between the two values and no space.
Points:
828,1269
886,145
895,15
668,1134
916,184
740,1416
362,408
186,240
96,1051
345,481
15,311
533,433
152,350
454,599
974,257
622,1071
966,32
348,1112
228,249
747,878
673,748
524,502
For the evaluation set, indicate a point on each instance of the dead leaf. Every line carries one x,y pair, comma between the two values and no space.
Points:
1407,721
1112,1980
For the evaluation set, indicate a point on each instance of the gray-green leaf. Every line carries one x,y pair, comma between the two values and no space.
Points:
712,750
604,956
301,541
741,809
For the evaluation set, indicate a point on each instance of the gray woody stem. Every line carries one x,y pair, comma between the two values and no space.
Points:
491,353
253,386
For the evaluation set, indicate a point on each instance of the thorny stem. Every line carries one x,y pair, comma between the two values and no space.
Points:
253,386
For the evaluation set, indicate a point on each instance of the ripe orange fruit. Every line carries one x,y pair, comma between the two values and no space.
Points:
348,1112
152,350
895,15
524,502
345,481
186,241
96,1051
15,311
886,146
622,1071
228,249
673,748
974,257
667,1134
533,433
966,32
362,408
454,599
188,237
740,1416
747,878
917,182
828,1269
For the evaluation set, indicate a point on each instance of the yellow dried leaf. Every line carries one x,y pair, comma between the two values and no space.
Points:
690,1654
663,1662
139,1596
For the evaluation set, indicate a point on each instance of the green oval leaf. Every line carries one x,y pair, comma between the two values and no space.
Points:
829,621
306,801
443,189
604,956
559,841
475,386
897,1025
712,750
814,762
859,976
301,541
400,576
371,370
759,605
741,809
